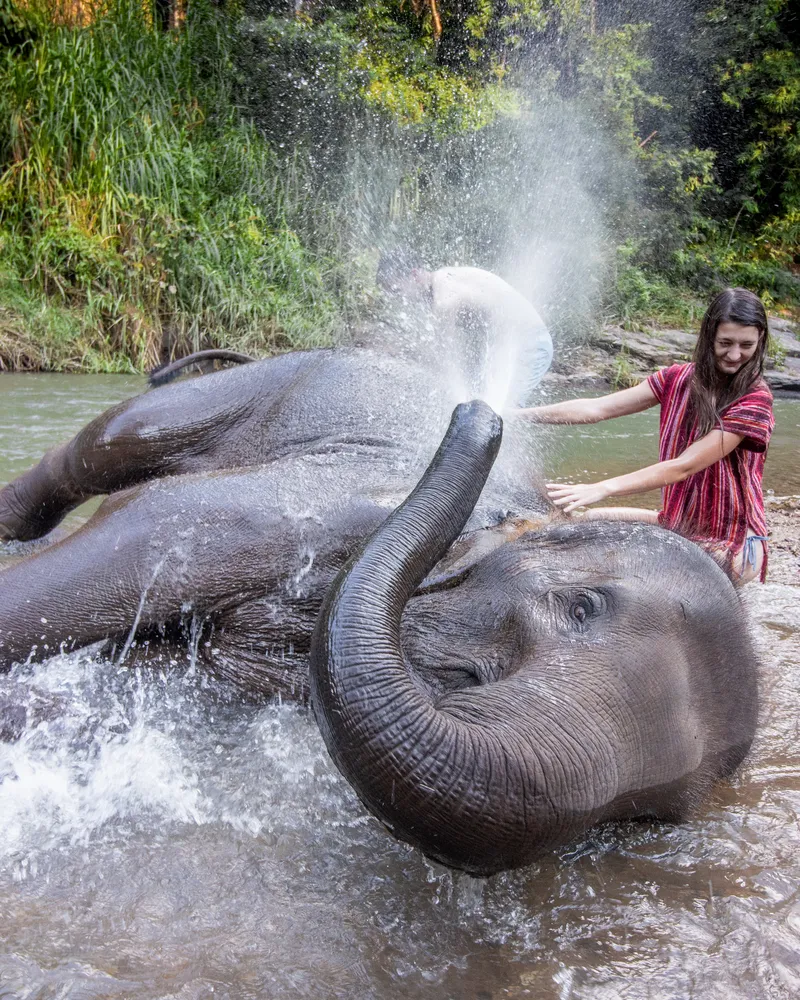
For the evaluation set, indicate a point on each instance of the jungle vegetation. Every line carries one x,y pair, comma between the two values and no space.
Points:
177,174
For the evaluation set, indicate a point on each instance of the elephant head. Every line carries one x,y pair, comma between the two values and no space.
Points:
587,671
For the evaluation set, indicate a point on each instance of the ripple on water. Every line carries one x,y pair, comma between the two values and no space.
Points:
159,839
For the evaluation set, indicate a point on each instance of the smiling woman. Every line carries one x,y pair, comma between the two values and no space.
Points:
716,421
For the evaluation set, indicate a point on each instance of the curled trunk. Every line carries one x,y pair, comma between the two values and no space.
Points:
437,778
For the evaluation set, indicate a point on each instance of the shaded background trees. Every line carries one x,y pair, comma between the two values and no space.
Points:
176,176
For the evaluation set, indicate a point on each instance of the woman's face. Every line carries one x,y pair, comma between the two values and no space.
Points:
734,345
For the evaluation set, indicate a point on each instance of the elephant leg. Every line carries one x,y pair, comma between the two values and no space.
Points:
188,427
128,444
206,547
102,581
35,502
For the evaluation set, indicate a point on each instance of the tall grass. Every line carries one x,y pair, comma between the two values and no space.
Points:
139,216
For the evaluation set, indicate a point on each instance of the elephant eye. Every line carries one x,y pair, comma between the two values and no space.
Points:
579,612
581,609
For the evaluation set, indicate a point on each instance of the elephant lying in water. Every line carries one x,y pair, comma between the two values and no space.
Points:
482,709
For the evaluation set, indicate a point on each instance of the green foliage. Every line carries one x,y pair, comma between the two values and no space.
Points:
398,73
641,298
720,262
233,182
760,81
16,27
622,373
776,352
132,209
403,81
311,74
613,70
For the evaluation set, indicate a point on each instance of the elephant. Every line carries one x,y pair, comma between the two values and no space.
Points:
492,677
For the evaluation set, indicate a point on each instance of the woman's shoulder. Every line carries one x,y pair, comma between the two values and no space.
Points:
671,378
677,370
752,417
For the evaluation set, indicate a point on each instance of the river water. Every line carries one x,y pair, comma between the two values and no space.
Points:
160,840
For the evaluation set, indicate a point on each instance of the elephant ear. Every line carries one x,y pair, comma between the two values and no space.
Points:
468,550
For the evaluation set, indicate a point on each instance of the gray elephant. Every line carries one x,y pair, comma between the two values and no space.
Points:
581,673
488,690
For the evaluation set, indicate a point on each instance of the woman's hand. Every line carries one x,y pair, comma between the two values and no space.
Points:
580,495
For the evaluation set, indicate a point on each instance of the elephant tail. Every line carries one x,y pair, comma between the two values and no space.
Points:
166,373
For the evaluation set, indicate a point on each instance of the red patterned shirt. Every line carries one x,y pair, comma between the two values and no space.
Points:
718,505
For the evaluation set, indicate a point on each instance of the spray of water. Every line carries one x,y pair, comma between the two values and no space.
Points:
525,198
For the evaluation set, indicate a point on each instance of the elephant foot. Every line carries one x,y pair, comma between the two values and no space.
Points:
32,505
15,524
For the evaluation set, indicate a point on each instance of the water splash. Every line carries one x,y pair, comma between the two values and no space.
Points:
91,755
172,839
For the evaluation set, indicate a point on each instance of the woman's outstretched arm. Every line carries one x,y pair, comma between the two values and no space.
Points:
698,456
591,411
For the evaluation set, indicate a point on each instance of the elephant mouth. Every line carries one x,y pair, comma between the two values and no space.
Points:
446,653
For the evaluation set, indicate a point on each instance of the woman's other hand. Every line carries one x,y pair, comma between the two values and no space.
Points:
570,497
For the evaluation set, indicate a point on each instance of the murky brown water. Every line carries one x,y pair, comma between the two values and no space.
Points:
157,841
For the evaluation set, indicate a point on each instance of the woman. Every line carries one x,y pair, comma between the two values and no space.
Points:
716,422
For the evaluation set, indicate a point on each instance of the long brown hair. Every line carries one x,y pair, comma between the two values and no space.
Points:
712,391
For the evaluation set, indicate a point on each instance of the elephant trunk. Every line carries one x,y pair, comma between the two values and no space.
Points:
425,772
